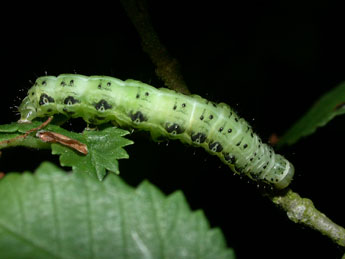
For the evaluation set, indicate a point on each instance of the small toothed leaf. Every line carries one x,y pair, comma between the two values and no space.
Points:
51,214
105,148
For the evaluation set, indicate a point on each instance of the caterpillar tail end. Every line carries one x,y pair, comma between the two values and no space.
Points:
287,176
27,111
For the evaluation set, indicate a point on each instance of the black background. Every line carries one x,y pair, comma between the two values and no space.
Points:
270,60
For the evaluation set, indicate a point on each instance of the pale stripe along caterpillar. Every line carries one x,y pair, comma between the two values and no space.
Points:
165,113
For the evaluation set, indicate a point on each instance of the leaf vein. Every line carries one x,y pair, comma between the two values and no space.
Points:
20,236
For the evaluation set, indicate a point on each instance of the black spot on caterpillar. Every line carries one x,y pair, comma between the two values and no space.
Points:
102,105
44,99
198,138
165,113
174,128
69,100
137,117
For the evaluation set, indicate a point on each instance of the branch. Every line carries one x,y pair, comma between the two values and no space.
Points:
167,68
302,211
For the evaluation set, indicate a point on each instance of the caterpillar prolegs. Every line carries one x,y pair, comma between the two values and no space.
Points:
164,113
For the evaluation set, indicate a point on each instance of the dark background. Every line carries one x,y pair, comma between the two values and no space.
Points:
270,60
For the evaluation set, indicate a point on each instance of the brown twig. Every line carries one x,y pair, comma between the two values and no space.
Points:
9,141
167,68
301,210
53,137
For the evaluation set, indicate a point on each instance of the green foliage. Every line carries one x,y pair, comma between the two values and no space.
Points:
325,109
50,214
15,127
105,146
10,131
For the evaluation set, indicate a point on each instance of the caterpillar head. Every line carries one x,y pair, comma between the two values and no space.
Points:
38,102
284,172
27,110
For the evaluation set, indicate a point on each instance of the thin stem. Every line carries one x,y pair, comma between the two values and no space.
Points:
25,139
29,141
302,211
167,68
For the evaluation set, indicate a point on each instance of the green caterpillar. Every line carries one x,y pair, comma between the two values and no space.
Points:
165,113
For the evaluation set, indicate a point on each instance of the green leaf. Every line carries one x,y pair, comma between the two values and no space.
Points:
19,127
51,214
13,127
7,136
9,132
325,109
105,148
